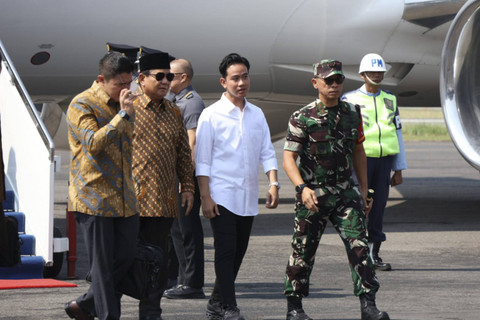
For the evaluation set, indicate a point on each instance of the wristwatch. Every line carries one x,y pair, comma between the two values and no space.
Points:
124,114
276,184
300,187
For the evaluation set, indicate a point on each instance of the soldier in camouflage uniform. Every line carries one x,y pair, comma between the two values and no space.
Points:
327,135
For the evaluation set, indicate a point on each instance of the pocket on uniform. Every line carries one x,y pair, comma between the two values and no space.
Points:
319,143
319,148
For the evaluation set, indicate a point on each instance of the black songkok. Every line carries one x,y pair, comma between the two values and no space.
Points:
159,60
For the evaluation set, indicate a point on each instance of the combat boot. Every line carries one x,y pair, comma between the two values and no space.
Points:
295,309
377,261
369,309
297,314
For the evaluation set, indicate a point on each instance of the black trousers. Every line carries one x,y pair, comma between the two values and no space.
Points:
231,234
187,237
111,245
379,172
155,231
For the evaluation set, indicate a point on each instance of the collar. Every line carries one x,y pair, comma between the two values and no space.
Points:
103,95
363,89
145,102
231,107
323,110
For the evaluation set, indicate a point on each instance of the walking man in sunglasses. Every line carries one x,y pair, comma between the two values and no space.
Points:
160,154
328,137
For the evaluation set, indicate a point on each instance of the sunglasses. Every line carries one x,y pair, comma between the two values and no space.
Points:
160,75
338,80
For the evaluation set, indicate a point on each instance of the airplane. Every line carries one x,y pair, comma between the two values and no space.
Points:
431,48
56,46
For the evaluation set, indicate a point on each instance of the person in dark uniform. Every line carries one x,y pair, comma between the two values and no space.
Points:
327,137
187,231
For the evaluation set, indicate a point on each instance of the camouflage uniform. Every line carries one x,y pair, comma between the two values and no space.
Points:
325,139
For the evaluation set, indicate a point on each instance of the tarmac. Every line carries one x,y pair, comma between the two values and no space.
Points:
433,229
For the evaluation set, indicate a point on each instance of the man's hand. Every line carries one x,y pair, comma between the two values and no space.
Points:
187,198
272,198
396,178
309,199
368,206
126,101
209,208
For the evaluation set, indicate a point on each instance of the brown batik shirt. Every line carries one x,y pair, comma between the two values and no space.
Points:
161,155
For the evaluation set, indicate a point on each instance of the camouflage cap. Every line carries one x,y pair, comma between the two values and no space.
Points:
327,68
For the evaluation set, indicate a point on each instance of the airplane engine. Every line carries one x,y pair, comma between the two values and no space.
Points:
460,82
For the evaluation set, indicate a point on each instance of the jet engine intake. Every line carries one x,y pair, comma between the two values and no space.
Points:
460,82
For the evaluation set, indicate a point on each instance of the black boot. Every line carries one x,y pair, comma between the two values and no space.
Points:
295,310
377,261
369,309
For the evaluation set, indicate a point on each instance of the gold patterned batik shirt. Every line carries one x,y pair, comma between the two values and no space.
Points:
161,155
100,140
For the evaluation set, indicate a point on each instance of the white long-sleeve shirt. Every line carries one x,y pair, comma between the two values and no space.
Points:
231,144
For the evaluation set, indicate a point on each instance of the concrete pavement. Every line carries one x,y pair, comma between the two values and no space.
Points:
433,229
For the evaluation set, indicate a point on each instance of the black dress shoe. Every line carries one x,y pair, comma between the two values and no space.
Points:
382,266
75,312
184,292
377,261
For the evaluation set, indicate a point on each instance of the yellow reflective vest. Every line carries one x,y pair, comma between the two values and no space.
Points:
380,121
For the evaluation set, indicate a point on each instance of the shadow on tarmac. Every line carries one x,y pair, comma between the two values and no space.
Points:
432,224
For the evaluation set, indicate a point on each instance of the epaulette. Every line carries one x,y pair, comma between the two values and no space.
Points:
189,95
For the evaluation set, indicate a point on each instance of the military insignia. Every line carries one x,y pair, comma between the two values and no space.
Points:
189,95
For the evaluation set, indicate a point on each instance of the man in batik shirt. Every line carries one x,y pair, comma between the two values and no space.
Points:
160,154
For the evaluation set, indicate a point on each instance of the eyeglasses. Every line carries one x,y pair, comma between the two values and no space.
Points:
123,84
338,80
160,75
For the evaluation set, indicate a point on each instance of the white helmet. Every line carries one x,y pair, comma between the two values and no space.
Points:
372,62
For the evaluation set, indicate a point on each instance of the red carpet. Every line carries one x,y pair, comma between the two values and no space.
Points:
33,283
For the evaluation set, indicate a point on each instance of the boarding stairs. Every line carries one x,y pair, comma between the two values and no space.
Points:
30,162
30,266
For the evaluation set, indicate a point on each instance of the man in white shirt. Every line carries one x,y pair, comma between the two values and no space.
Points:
233,138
